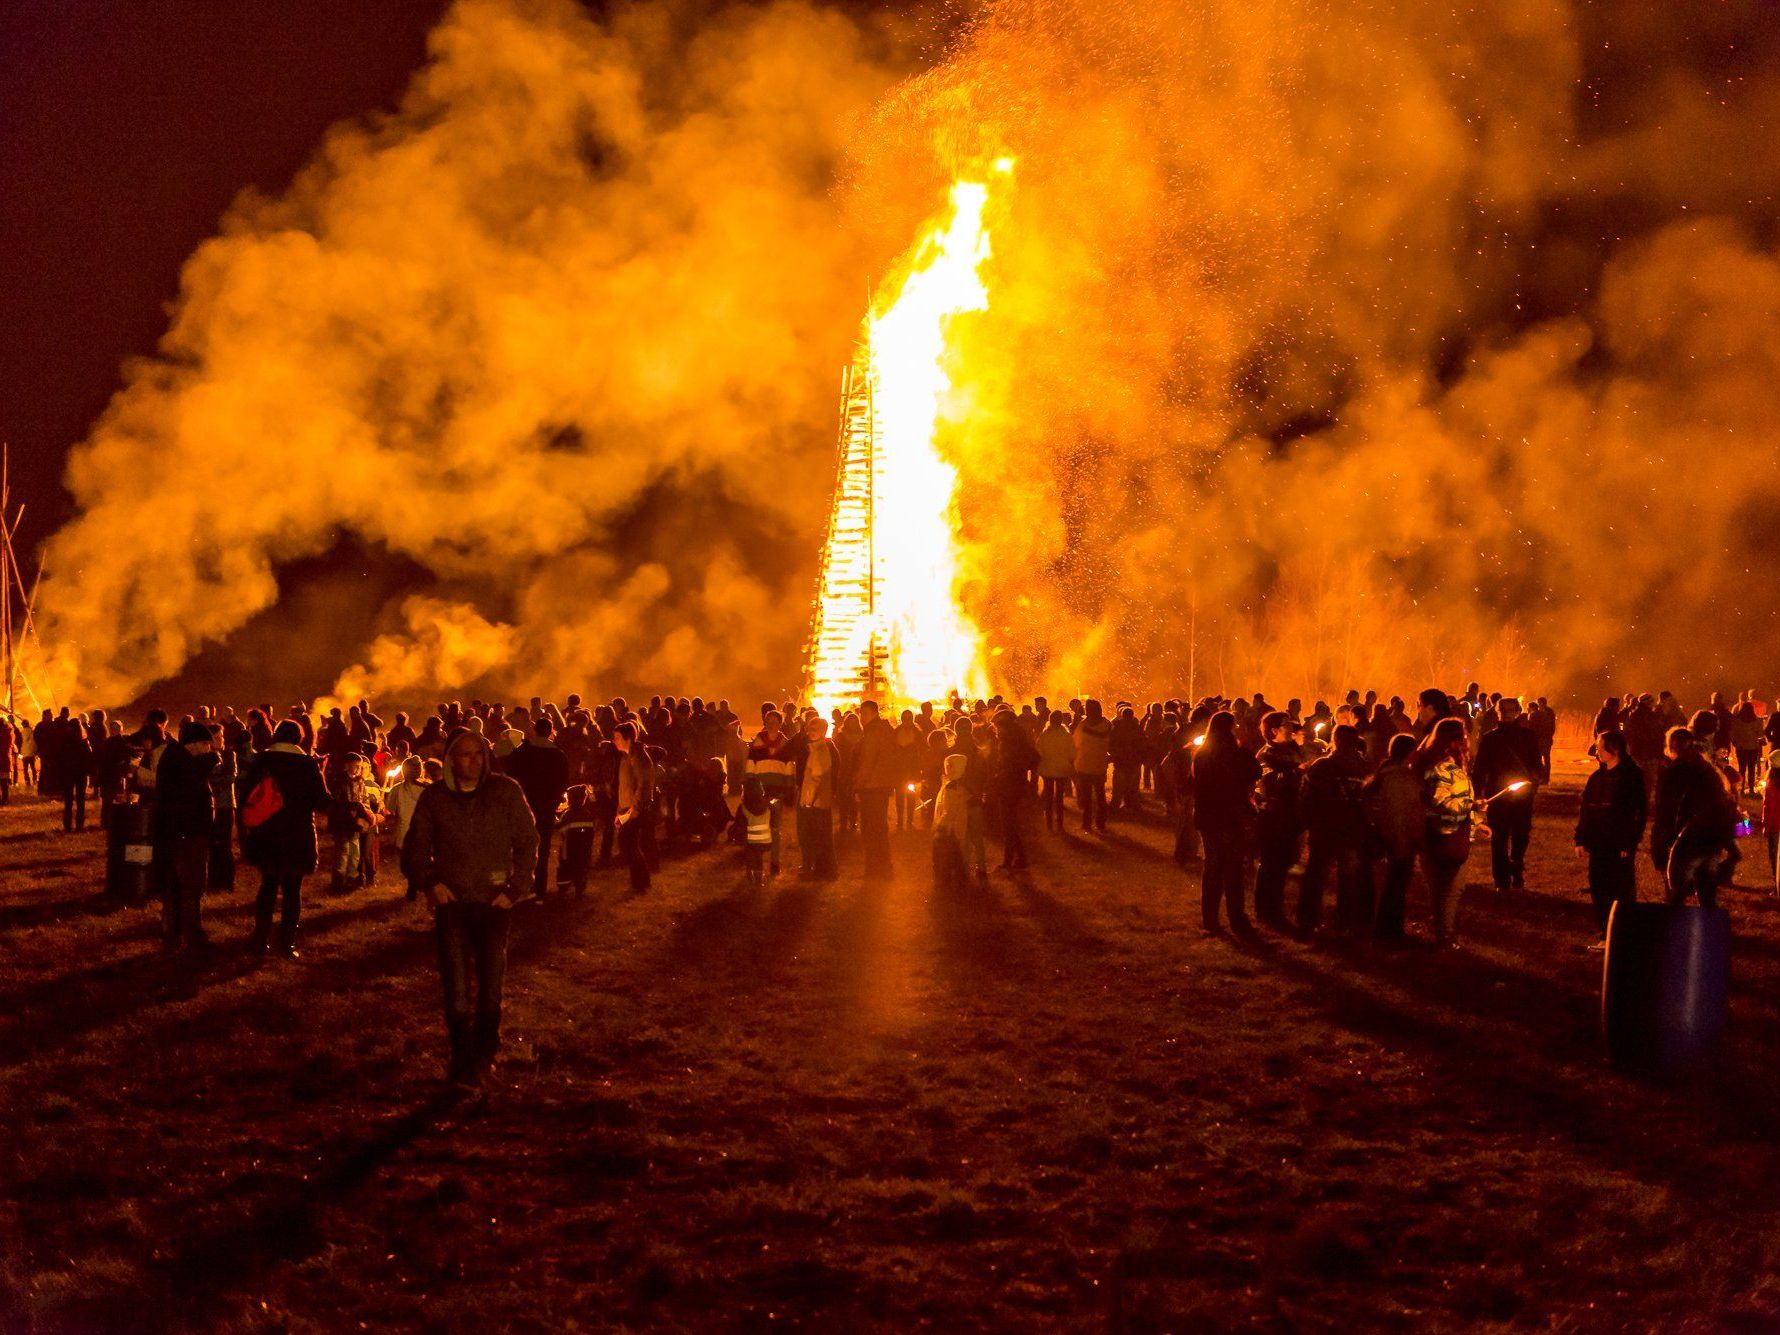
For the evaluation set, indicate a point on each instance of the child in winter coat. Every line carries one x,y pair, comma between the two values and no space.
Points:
577,822
754,823
951,817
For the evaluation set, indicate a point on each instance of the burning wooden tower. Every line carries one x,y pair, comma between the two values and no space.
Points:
846,655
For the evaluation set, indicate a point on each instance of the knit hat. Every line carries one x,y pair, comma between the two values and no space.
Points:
193,731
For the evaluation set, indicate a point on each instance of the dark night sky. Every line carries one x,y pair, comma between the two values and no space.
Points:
125,131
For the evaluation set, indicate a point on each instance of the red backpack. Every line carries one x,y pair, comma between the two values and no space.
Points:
263,803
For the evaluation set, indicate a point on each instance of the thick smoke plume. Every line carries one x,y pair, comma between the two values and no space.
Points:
1335,343
563,330
1328,344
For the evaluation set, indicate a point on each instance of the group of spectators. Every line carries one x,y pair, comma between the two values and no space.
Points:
483,806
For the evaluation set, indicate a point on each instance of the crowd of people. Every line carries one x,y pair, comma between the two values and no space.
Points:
483,806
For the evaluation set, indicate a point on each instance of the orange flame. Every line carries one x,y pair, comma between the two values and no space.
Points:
910,626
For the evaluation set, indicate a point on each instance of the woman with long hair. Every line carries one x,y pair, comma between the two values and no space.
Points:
1449,807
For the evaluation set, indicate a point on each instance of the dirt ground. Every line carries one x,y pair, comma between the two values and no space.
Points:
1049,1104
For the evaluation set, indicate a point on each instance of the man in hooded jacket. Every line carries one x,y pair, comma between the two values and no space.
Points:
474,845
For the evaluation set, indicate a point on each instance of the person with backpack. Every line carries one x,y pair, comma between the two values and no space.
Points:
284,794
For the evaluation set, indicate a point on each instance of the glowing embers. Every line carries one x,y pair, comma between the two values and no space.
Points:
888,620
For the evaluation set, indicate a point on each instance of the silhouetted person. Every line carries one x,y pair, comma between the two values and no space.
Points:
1509,755
1224,777
1335,817
876,770
1279,822
183,812
1609,827
1093,740
541,770
1397,825
1010,783
1693,828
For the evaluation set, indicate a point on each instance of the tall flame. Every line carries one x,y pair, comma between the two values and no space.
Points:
888,618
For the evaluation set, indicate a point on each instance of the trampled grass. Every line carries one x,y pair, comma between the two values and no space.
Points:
1050,1103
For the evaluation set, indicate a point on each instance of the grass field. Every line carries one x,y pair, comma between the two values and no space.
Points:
1047,1104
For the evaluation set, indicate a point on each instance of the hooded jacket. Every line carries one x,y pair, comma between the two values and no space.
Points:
1093,740
1056,752
951,809
480,842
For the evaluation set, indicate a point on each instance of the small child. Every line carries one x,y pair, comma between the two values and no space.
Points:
578,822
951,814
754,821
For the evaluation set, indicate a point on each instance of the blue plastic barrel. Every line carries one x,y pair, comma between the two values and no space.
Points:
1665,986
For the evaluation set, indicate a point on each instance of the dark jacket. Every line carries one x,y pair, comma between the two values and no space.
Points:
1393,799
287,838
541,770
1509,754
1334,801
479,843
1279,795
1013,760
1613,809
184,805
1126,744
1224,778
876,766
1693,805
